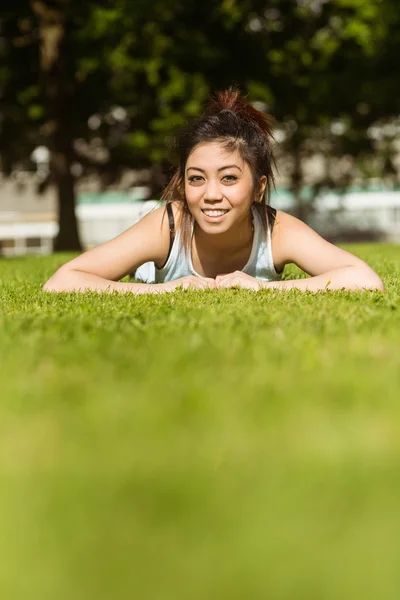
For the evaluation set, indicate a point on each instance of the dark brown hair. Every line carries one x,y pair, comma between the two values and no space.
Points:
228,119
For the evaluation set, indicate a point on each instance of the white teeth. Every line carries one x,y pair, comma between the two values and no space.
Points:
214,213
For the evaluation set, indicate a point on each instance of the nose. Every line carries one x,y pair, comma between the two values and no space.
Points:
213,191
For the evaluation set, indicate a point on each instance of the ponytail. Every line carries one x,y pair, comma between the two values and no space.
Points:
232,100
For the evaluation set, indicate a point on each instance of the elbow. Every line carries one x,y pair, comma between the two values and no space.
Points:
52,286
48,288
59,282
373,282
364,278
377,285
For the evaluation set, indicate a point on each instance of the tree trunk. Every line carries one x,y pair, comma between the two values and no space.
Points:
57,85
297,182
68,235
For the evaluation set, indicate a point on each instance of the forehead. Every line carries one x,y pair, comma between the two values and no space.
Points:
213,155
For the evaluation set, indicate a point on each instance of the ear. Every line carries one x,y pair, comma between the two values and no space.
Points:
261,190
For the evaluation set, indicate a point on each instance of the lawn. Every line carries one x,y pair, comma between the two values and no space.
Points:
225,444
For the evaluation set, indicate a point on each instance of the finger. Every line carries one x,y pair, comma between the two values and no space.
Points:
232,282
200,285
220,278
228,278
224,284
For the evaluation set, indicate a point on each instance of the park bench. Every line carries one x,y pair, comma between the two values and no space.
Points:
97,224
18,237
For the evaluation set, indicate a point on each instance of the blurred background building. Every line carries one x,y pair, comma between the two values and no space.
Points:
28,222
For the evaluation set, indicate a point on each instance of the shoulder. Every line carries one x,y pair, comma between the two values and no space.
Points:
280,225
156,225
162,225
149,236
288,233
293,241
283,223
177,209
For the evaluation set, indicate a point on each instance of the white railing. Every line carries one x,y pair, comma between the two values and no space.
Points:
17,239
99,223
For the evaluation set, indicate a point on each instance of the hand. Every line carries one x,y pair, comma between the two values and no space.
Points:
238,279
191,281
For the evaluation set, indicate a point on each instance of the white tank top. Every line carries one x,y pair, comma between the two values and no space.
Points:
260,264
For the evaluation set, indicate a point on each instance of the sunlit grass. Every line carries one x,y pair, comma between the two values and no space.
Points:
223,444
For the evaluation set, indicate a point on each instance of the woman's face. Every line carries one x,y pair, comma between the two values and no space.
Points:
219,187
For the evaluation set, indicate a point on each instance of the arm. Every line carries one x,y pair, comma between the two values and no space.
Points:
330,267
101,268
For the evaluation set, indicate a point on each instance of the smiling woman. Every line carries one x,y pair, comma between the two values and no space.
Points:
221,230
224,231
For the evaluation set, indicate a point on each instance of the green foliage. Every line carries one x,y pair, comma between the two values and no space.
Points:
312,63
220,444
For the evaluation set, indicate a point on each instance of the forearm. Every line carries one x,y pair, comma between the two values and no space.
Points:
348,278
79,281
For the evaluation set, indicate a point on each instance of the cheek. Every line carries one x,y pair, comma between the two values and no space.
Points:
192,194
239,196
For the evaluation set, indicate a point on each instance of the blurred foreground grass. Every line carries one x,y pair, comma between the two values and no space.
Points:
223,444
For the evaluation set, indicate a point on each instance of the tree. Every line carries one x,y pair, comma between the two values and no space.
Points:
328,64
102,87
105,87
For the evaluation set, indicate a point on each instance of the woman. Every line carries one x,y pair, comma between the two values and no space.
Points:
220,230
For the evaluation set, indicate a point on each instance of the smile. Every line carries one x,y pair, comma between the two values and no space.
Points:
210,212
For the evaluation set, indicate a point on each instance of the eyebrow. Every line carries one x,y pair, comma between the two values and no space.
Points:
220,169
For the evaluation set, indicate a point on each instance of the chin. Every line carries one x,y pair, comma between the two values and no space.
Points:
213,228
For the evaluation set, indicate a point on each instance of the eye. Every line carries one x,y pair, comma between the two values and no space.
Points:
195,178
230,178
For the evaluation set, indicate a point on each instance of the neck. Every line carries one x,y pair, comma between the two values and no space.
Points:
229,242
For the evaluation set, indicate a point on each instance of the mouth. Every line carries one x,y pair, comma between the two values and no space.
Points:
214,215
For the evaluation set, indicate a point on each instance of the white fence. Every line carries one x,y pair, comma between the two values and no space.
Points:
368,211
98,223
17,239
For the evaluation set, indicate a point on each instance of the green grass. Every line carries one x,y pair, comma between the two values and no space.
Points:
224,444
